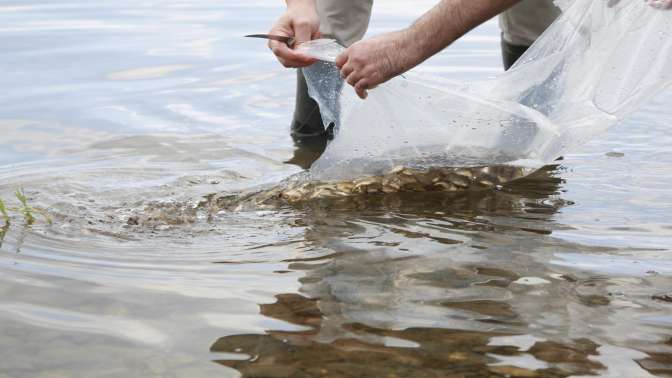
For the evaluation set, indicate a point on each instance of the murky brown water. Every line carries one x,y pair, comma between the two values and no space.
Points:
137,124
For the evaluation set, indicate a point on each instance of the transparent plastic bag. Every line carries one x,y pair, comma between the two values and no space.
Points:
323,49
596,64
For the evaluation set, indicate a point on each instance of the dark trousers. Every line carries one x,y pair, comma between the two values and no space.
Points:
307,118
511,53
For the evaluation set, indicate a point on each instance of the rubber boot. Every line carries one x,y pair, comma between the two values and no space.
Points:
307,121
308,131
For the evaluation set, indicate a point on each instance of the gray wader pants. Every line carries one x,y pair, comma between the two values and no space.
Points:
348,20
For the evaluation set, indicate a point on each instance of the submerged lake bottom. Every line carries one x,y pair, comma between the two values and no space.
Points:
148,265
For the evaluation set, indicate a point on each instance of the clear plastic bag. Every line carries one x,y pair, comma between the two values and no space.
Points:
596,64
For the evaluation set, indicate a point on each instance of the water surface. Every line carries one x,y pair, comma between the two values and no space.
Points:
119,110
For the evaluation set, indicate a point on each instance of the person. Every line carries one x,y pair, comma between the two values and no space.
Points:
367,63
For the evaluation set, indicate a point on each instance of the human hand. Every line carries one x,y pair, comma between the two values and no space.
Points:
374,61
301,22
658,4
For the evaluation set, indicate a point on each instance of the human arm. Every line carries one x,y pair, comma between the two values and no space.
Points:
374,61
301,22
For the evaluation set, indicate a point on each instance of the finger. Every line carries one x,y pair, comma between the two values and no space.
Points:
285,63
361,89
347,70
291,63
342,59
281,50
659,4
295,63
354,78
289,57
302,62
303,31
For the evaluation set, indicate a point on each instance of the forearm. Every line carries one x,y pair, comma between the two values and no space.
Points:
447,22
374,61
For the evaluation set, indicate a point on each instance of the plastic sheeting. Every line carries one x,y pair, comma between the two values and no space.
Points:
596,64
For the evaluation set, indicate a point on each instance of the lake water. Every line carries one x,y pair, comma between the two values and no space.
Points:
112,110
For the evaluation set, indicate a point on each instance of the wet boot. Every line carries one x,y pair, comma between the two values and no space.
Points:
308,131
307,121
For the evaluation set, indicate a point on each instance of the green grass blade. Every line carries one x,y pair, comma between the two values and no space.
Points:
3,211
25,208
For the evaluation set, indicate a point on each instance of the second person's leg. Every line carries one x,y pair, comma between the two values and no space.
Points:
522,25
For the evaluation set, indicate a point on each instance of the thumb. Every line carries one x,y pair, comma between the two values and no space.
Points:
303,31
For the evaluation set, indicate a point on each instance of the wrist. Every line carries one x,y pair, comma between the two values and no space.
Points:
413,47
301,4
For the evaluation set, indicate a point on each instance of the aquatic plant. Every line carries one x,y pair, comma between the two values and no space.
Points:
3,211
25,209
3,232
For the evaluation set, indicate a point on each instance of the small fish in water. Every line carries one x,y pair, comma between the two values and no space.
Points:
396,180
300,189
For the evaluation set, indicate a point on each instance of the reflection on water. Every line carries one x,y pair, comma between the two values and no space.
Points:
405,290
124,120
412,352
